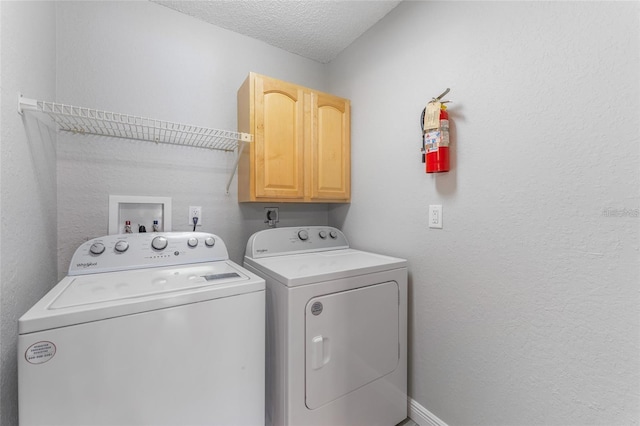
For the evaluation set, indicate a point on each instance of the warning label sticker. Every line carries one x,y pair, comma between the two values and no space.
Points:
436,139
40,352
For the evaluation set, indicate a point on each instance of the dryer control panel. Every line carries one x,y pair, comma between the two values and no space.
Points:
146,250
302,239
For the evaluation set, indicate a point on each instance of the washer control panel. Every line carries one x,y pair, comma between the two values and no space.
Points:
146,250
280,241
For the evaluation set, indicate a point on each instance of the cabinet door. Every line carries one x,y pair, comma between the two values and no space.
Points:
279,138
330,148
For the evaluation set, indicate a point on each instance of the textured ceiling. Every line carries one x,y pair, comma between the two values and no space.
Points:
314,29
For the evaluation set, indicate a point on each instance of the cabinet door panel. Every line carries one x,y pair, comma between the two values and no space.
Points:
330,158
279,115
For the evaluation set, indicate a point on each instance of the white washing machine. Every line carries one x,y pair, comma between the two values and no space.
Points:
147,329
336,329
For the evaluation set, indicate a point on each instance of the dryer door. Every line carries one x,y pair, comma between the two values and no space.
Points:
352,339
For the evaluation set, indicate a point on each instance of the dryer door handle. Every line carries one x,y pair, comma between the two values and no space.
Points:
320,352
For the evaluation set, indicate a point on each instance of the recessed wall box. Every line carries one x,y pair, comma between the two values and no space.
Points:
140,210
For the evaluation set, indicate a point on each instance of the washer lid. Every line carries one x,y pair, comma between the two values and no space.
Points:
85,298
307,268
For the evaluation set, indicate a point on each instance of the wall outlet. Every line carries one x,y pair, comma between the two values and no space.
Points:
435,216
195,211
271,216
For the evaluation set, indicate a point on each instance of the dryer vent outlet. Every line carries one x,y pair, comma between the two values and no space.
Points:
271,216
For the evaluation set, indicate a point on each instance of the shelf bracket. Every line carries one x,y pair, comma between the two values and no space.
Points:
235,165
26,104
246,137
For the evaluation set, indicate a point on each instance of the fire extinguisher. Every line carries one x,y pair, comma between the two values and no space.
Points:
435,135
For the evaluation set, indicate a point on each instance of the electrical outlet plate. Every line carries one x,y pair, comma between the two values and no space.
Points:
195,211
271,216
435,216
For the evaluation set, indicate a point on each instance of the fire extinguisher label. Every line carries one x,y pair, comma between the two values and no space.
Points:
444,140
436,139
432,139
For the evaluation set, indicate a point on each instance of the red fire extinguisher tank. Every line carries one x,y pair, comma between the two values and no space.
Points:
437,156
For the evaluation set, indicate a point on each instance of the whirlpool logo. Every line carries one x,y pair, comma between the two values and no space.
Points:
86,264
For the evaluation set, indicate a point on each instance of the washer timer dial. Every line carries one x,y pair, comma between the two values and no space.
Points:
159,243
96,248
121,246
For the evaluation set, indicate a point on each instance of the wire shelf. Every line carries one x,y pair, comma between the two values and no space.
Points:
80,120
87,121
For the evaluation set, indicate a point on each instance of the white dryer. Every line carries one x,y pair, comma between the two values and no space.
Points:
336,329
146,329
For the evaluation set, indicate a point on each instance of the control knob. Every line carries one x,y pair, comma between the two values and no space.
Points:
121,246
333,234
323,234
209,241
192,242
303,235
159,243
96,248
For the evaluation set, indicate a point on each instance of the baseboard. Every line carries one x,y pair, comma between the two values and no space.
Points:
422,416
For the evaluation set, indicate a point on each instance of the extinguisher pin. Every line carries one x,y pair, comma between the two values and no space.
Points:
442,95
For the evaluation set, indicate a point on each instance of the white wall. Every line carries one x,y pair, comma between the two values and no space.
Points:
524,308
143,59
27,180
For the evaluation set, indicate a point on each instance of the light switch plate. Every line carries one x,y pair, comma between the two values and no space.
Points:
435,216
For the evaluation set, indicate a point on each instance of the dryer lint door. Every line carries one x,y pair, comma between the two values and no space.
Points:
352,339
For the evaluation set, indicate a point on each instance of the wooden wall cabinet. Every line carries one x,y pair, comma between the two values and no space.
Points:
301,149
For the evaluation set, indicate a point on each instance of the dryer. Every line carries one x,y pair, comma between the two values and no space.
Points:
336,329
146,329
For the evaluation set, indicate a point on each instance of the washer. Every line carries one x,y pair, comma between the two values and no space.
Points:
336,329
153,329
